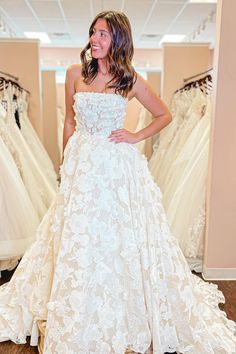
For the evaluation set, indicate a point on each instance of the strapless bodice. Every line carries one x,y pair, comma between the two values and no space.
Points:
99,113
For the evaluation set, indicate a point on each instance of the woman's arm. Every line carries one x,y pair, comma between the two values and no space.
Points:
69,125
149,99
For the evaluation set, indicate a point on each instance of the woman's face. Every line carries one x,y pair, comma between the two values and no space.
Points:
100,39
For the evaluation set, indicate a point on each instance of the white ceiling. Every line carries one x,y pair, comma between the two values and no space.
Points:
67,21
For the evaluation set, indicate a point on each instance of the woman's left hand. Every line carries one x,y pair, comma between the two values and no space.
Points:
123,136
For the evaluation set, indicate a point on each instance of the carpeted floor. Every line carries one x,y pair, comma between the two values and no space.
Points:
227,287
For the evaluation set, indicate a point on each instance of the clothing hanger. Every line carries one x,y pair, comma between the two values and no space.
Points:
194,83
12,82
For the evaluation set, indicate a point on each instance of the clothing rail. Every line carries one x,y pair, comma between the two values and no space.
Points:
192,77
196,83
13,83
12,76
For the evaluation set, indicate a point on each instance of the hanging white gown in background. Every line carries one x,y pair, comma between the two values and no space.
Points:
191,118
60,127
180,103
181,163
40,191
18,219
182,140
105,271
144,146
185,195
38,150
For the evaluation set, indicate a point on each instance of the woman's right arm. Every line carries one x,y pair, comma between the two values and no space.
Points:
69,125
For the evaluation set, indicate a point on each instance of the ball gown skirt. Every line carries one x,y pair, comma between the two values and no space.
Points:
105,271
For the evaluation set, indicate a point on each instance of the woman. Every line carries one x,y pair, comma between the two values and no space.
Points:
105,272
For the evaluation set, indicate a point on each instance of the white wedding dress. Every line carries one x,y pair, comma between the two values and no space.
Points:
184,198
18,219
37,184
60,127
32,139
144,146
187,122
179,165
105,271
179,105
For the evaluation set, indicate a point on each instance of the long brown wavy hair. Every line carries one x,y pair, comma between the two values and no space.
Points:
119,56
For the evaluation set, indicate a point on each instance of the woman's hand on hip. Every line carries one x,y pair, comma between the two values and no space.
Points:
123,136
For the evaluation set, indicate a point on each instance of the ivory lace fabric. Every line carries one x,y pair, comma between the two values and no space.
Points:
105,271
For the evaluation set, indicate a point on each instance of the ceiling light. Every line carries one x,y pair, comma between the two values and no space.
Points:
172,38
203,1
42,36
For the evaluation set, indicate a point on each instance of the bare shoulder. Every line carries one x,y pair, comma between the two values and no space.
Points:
73,74
74,71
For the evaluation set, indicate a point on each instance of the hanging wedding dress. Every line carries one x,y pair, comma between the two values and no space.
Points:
182,159
185,195
40,191
60,126
191,118
178,149
105,271
179,105
144,146
36,146
18,219
25,171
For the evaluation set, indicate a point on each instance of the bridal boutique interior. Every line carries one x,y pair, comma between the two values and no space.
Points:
186,50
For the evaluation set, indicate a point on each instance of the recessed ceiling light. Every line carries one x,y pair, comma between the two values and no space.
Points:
42,36
203,1
174,38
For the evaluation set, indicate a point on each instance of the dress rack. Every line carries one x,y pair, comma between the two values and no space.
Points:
193,77
10,75
207,79
4,82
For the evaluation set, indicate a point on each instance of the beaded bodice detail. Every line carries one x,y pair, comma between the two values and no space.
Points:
99,113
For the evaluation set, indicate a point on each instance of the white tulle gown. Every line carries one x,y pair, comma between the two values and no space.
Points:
60,127
36,182
179,164
38,150
144,146
179,106
184,197
18,218
105,271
